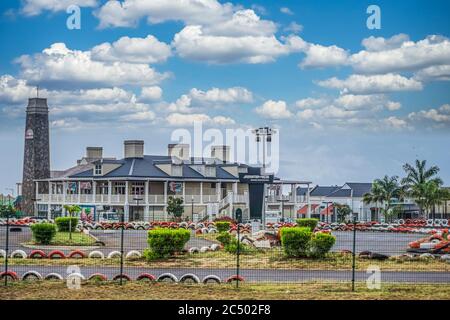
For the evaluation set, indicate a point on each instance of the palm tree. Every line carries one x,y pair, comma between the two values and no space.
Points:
384,191
415,182
71,210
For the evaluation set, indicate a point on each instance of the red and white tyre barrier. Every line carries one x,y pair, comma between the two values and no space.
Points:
31,276
205,249
114,255
167,277
215,247
37,254
96,255
54,276
234,278
77,254
193,250
76,275
133,254
2,253
211,279
10,274
123,276
56,254
97,277
18,254
146,277
189,278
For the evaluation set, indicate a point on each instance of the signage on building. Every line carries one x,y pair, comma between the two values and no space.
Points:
29,134
175,186
85,185
255,178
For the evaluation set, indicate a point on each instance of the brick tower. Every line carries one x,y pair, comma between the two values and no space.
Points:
36,159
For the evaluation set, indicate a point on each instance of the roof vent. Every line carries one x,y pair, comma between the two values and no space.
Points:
133,149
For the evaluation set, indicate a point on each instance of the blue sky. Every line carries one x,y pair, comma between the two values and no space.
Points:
351,104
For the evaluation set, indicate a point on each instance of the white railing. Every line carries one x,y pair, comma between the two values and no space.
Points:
117,198
240,198
156,198
101,198
189,197
208,198
86,198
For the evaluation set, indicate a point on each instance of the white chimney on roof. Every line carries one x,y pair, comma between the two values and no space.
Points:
221,152
179,150
133,148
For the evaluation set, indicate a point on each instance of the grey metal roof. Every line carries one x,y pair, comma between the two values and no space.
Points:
360,188
323,191
146,168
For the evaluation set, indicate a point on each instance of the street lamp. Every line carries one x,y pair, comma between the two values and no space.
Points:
328,212
282,200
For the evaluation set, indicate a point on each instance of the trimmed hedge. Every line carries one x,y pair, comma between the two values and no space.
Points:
295,241
232,246
165,242
223,226
43,233
64,222
320,244
310,223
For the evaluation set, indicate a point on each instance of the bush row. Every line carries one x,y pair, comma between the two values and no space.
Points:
301,242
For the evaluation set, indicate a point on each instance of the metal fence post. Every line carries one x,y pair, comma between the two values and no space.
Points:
238,251
121,248
354,253
7,248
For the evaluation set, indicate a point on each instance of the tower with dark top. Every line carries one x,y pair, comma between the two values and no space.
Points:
36,159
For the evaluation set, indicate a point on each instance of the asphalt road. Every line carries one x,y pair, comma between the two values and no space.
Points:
262,275
380,242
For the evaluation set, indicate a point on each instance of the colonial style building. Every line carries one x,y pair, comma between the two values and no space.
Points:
139,186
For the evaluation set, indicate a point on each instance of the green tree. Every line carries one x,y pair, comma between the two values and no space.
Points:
342,210
175,207
385,191
434,195
415,182
71,209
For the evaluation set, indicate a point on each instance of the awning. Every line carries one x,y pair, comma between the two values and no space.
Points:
304,209
324,211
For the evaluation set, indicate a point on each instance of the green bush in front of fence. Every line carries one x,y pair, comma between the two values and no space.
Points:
223,226
164,243
232,247
311,223
321,244
295,241
224,238
66,223
43,233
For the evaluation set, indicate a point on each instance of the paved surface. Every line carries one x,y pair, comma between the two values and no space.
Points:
250,275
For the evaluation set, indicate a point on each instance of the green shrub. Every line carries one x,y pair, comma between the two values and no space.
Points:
166,242
311,223
321,244
64,222
243,248
224,238
295,241
43,233
223,226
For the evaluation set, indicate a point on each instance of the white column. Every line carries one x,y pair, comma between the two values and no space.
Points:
165,200
37,190
64,193
109,191
184,191
79,192
308,214
94,191
235,189
146,213
49,206
126,206
201,192
146,193
218,191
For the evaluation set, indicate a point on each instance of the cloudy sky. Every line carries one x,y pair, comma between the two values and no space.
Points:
350,103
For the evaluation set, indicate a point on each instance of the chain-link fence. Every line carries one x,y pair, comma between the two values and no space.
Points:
373,254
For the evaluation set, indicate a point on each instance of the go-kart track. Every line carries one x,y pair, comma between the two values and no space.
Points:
380,242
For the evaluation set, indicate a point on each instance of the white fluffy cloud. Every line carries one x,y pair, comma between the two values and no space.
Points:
179,119
293,27
321,56
60,66
371,101
150,93
192,43
134,50
310,102
434,73
14,90
400,55
215,97
36,7
369,84
439,115
128,13
380,44
273,110
286,10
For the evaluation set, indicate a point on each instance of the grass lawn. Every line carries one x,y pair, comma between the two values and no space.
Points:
62,239
272,259
139,291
